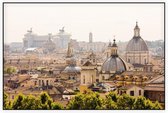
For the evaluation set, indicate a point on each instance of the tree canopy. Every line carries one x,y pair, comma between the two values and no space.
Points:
29,102
9,70
89,101
86,101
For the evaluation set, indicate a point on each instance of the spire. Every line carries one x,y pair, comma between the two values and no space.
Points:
136,30
69,51
29,31
109,44
49,36
61,30
90,37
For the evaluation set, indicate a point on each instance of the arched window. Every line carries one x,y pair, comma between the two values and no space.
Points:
42,82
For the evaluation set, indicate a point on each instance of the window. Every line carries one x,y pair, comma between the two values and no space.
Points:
84,79
39,82
42,82
120,92
150,68
128,60
35,82
145,61
132,93
47,83
13,96
139,92
103,77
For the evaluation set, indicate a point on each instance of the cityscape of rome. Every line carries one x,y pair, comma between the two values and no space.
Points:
57,71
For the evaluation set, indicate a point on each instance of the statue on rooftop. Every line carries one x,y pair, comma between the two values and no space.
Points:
62,30
29,31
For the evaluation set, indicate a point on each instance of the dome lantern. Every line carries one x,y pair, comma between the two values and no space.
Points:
114,49
136,30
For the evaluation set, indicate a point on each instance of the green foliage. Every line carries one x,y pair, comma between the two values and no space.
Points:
110,104
22,102
88,101
125,102
6,104
26,102
157,106
56,106
45,101
30,102
113,96
148,104
5,100
18,102
76,102
140,103
110,101
113,101
10,70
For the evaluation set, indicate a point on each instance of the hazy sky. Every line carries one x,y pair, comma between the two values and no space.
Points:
103,20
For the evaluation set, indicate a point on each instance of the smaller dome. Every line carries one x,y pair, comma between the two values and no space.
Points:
114,64
72,69
71,61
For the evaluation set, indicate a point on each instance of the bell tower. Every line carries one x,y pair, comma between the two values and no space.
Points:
90,37
70,50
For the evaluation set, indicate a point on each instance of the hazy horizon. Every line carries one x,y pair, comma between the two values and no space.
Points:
103,20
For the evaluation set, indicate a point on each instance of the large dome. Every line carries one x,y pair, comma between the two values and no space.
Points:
113,64
72,69
137,44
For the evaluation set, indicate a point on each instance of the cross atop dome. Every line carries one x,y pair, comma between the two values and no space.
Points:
114,40
114,44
